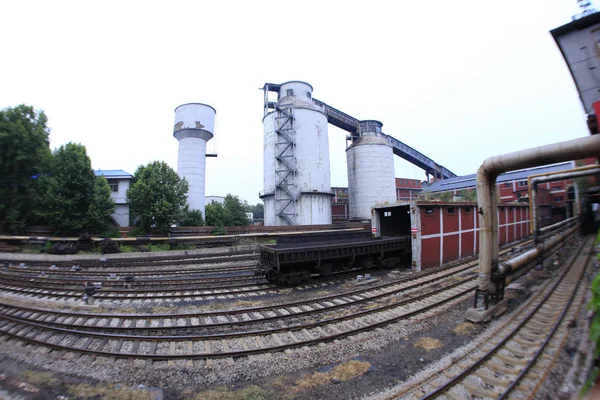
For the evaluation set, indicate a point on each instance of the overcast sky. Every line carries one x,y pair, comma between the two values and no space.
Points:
457,80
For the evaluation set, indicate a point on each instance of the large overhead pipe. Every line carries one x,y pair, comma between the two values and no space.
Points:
551,177
530,177
486,194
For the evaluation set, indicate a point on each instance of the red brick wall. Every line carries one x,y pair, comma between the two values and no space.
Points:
453,229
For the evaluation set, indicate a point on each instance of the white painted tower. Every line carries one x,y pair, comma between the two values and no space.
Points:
371,178
194,126
297,186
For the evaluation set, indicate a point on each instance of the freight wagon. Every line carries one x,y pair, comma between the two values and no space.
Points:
294,258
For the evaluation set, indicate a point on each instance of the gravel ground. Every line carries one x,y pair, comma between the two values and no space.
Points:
390,351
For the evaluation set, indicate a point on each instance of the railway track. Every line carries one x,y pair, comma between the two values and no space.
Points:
173,270
147,282
145,262
239,333
521,351
50,292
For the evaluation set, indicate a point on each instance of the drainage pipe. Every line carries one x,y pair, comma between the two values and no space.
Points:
585,147
556,176
548,174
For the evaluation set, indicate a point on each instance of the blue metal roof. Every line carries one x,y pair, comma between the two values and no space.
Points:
468,181
113,173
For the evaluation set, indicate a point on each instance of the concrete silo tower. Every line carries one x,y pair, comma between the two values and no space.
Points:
371,177
194,126
297,186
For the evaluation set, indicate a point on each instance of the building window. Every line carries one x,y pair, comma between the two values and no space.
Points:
114,187
501,208
387,213
558,198
309,95
523,183
468,210
428,210
507,184
450,210
289,92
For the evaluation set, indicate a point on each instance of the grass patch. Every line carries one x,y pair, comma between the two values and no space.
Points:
158,247
464,328
39,378
343,372
125,248
107,392
248,393
428,343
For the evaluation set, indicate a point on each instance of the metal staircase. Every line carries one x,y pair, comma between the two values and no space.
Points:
285,171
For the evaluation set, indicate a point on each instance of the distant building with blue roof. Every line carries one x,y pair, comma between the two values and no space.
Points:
119,181
513,177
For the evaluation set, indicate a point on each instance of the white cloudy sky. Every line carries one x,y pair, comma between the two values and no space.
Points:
457,80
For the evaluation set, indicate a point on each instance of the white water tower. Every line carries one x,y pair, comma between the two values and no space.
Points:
194,126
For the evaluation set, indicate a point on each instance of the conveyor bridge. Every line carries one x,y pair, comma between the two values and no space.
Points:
350,124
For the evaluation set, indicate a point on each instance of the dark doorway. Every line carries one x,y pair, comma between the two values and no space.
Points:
394,221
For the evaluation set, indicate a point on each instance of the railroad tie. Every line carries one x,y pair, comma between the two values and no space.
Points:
480,391
226,349
171,352
293,337
493,380
500,367
277,339
190,349
118,345
153,346
134,348
520,351
208,350
261,344
86,343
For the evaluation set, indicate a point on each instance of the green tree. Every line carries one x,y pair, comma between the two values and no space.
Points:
75,200
468,195
24,156
191,218
236,211
216,215
258,210
157,196
101,207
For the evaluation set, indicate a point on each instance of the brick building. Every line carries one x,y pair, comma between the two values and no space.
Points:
406,189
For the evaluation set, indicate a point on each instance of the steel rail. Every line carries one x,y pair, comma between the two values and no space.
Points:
438,391
140,295
466,265
241,353
242,311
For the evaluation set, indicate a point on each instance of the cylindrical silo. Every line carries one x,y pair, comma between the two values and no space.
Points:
194,126
371,179
297,187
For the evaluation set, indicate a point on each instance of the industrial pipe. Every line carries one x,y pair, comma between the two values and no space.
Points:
523,259
530,185
558,224
486,190
550,177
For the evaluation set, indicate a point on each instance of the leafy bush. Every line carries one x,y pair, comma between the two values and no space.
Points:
137,231
219,231
111,233
191,218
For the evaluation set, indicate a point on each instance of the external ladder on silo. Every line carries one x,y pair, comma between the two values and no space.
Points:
285,171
